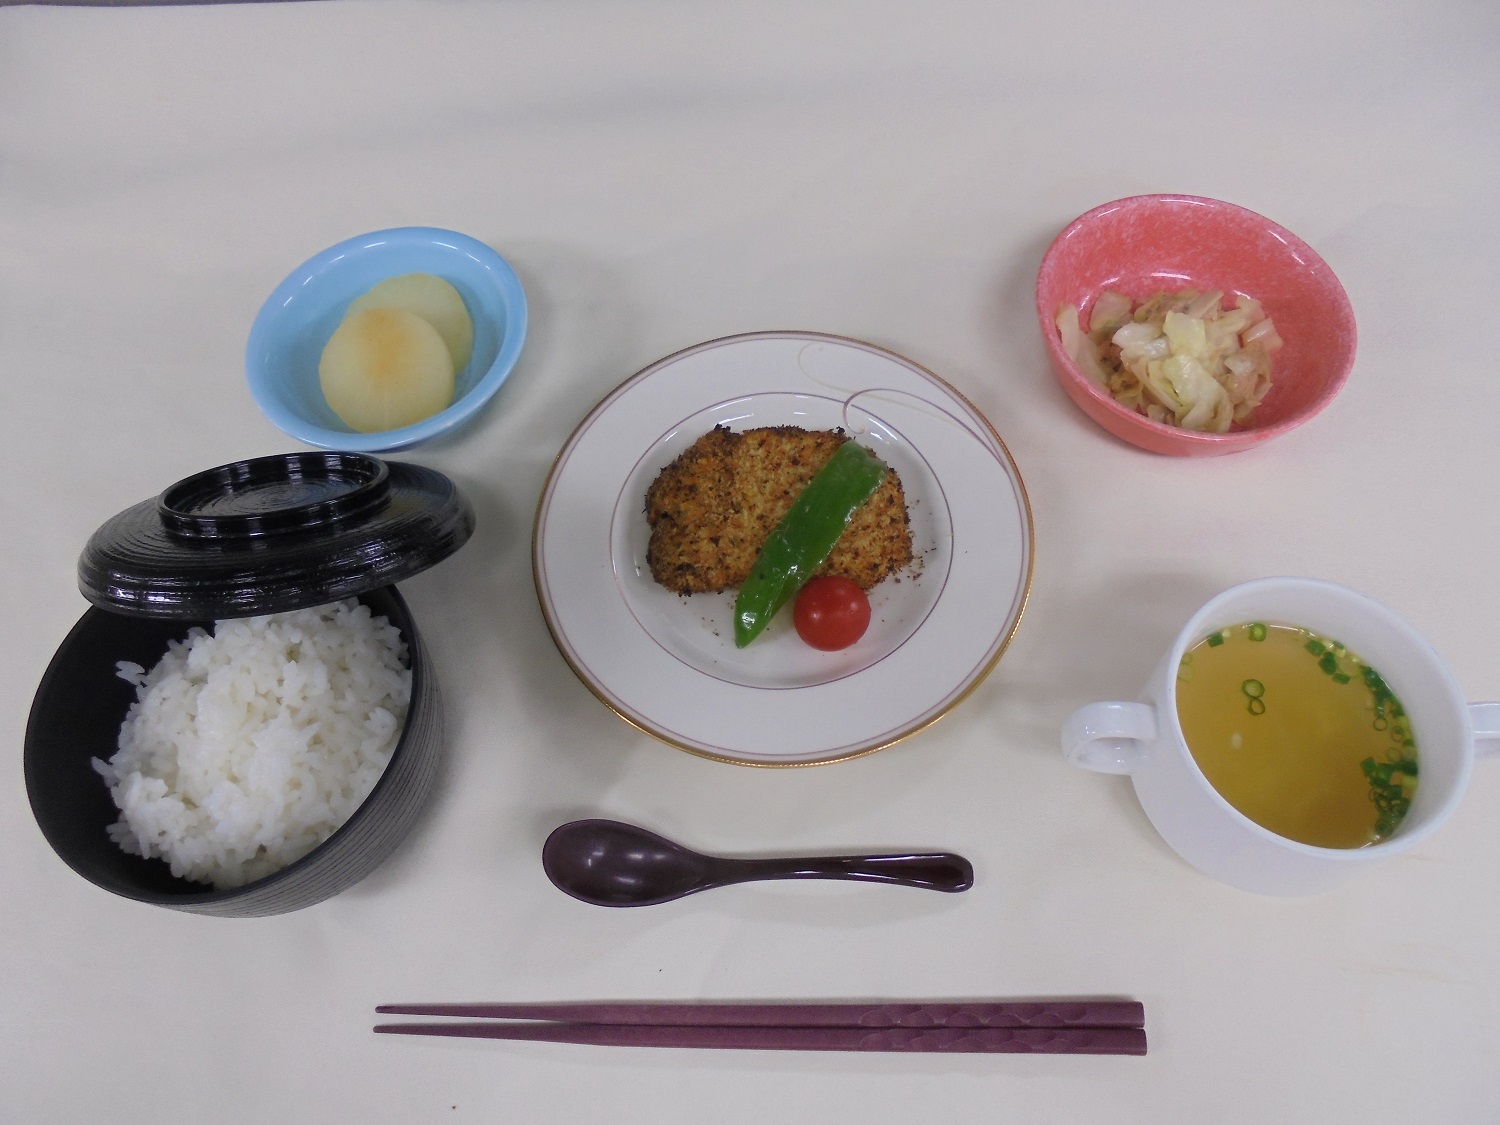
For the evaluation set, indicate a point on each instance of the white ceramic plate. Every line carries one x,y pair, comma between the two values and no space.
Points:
668,664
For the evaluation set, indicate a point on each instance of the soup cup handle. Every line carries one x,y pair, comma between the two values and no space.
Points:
1109,737
1485,719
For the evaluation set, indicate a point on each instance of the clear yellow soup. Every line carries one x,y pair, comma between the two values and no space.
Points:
1298,733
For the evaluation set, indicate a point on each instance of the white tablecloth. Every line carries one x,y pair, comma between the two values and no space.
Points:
662,173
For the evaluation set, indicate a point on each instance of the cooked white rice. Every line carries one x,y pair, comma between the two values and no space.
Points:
248,747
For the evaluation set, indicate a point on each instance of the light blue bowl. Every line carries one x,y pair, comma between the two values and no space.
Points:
293,326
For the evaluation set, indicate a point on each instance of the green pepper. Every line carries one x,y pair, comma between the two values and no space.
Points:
805,536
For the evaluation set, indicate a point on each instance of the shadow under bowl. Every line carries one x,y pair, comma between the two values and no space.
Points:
1152,243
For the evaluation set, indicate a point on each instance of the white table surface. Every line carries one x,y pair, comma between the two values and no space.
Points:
662,173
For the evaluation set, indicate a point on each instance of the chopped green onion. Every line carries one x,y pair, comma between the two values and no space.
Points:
1389,791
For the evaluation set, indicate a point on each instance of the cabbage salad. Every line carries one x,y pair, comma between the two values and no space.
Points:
1178,358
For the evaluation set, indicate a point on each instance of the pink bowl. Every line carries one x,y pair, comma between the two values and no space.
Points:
1147,243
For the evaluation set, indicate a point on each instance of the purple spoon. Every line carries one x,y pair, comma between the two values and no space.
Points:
608,863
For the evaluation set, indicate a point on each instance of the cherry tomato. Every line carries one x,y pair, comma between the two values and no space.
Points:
831,613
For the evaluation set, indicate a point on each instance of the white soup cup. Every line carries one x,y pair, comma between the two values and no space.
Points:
1145,740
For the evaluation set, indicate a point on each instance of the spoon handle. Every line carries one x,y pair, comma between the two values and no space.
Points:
936,871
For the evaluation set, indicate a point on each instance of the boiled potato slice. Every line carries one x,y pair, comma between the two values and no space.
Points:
384,369
431,298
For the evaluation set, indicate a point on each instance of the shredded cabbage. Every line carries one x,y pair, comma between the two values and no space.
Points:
1178,358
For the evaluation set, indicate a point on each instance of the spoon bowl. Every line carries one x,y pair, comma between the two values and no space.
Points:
609,863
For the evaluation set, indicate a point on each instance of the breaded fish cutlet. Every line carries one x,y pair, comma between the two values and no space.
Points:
712,508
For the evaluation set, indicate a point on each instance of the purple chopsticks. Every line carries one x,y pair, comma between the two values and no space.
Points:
1073,1027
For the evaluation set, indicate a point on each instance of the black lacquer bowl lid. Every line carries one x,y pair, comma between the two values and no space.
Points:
273,534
